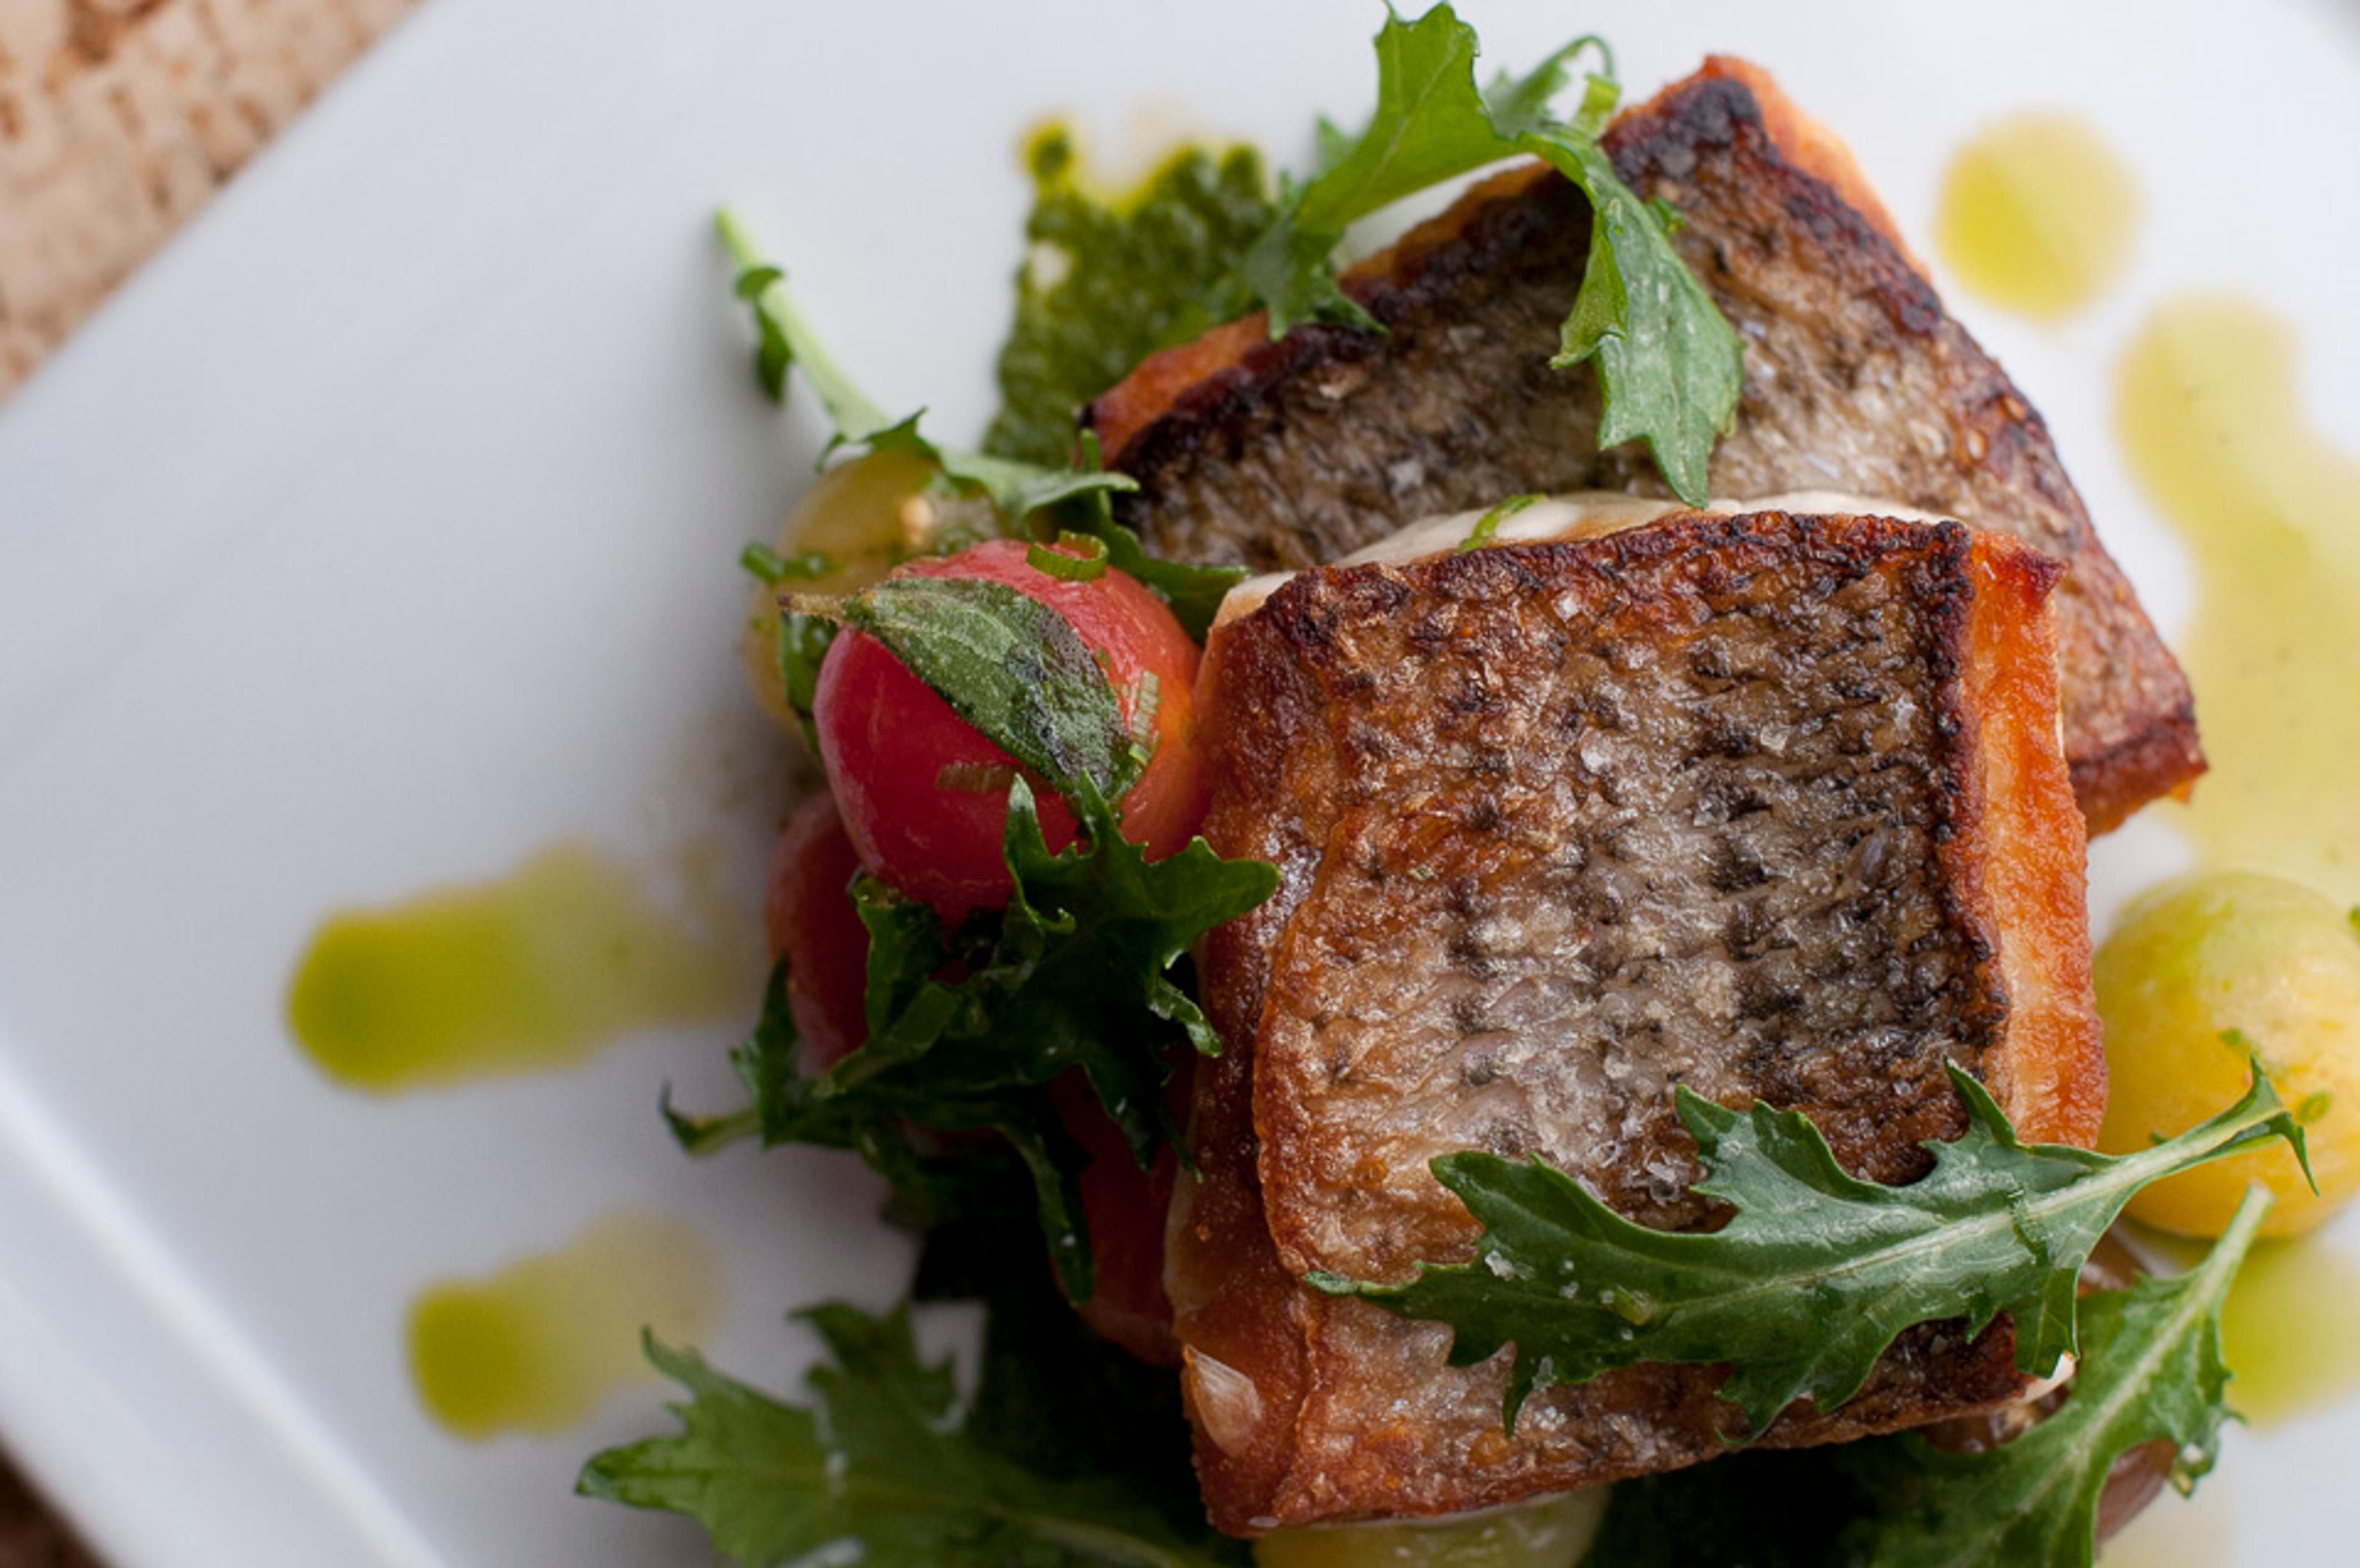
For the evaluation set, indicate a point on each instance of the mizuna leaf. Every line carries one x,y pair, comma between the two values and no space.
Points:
1073,975
1670,366
2150,1369
879,1464
1816,1273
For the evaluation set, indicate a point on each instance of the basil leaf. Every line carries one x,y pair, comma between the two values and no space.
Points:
1818,1271
1011,667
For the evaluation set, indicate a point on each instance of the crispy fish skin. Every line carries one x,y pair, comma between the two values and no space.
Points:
1768,805
1281,454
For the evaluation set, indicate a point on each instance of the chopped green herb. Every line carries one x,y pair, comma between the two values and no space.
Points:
1106,284
1489,523
1076,557
1818,1271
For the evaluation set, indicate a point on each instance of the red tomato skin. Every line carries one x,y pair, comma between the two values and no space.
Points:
885,739
813,926
1123,1208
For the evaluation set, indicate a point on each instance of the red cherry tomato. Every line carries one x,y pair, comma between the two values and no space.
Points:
813,926
1123,1209
919,786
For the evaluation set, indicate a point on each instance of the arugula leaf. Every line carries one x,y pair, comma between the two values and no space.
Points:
1818,1271
2151,1368
786,340
882,1460
1670,366
1429,125
1108,283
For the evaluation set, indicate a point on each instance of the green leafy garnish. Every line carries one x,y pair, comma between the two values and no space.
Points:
1818,1271
1011,667
1075,973
2151,1368
1016,488
1489,523
1195,592
885,1462
1670,366
786,340
1108,284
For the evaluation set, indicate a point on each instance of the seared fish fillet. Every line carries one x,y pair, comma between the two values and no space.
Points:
1289,453
1770,805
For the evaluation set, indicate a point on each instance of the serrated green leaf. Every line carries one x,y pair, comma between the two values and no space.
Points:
2150,1369
1073,976
787,340
1670,366
880,1462
1815,1275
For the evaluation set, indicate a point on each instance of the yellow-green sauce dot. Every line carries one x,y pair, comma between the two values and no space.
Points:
2038,216
535,970
538,1347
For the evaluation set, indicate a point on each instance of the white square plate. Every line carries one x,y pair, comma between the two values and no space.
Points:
383,529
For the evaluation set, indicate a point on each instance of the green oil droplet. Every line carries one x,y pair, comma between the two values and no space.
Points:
538,1347
2036,215
2291,1331
533,971
2210,414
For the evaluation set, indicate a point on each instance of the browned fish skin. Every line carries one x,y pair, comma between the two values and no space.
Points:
1286,453
1707,801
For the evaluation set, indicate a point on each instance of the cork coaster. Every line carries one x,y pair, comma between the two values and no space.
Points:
120,118
29,1536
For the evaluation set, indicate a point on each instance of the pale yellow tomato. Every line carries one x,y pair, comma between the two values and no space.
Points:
856,521
2199,974
1551,1533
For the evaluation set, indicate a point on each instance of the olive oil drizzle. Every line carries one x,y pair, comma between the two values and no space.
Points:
539,1345
534,970
2211,419
2038,216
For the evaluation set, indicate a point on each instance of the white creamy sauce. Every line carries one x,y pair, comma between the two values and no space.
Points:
1582,514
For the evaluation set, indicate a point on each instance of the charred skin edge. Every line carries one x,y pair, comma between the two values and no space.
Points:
1236,1302
1184,403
